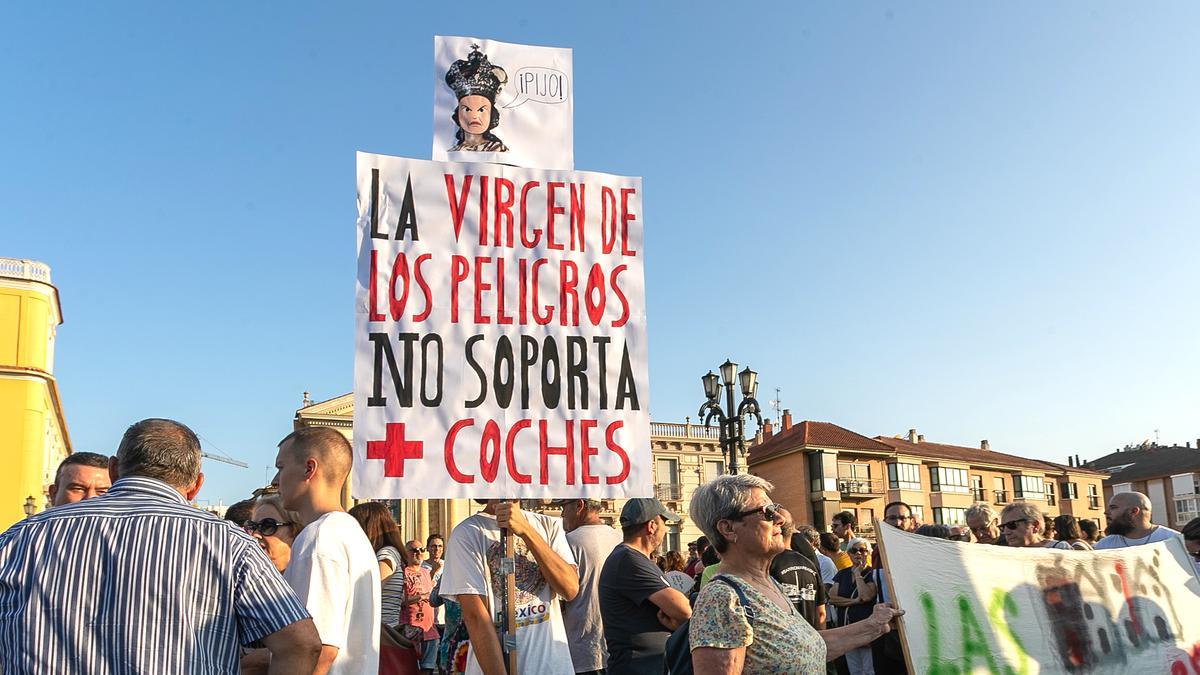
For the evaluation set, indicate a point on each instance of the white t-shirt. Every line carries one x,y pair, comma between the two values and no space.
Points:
334,572
1159,533
473,554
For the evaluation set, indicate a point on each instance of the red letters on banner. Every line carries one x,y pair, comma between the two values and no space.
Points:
576,444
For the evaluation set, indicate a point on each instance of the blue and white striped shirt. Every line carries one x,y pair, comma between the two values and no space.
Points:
135,581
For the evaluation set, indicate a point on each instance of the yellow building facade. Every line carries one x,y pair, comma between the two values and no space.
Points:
685,456
33,432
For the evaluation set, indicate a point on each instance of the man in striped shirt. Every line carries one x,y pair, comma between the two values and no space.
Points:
139,581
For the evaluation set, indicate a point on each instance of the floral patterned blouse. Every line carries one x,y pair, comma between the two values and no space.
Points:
776,640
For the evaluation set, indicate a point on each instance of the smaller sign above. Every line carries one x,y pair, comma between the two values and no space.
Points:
503,103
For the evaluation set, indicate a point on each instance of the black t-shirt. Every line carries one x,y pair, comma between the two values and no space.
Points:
636,640
801,580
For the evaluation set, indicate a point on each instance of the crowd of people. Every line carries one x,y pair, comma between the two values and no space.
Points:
122,575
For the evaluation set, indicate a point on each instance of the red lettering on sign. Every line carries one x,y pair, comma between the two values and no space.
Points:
448,452
458,206
611,443
567,451
586,451
510,456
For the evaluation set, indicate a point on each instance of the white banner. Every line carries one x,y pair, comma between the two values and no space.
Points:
503,103
977,608
500,340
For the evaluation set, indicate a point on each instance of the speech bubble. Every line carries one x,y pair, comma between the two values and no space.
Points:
539,84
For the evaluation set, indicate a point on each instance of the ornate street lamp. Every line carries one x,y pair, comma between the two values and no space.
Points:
30,506
732,421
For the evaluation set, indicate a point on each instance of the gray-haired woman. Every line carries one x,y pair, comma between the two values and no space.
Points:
737,515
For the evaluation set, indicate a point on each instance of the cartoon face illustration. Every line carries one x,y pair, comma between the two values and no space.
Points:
474,114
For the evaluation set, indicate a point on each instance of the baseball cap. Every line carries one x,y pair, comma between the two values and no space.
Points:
643,510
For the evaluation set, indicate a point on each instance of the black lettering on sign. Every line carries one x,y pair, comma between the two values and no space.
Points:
407,223
626,389
470,346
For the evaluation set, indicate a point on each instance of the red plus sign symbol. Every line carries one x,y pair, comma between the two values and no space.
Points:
393,450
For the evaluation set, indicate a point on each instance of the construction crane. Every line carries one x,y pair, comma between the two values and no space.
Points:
222,457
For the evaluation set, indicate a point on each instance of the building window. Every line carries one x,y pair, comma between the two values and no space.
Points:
1049,493
673,543
1028,487
851,471
977,489
668,487
918,512
712,469
949,516
999,494
816,472
943,479
1070,491
1093,498
904,476
1186,509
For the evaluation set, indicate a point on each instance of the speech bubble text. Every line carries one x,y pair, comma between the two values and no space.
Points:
542,85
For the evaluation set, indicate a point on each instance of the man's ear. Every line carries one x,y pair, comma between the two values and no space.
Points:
310,468
113,474
192,491
53,491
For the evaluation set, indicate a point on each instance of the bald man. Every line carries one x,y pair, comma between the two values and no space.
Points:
332,567
1129,523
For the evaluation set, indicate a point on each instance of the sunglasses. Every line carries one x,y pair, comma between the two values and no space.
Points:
266,527
859,550
1013,524
768,511
893,519
416,550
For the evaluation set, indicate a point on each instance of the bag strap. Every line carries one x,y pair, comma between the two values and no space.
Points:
745,602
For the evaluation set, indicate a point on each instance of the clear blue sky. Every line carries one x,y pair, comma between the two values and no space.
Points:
979,220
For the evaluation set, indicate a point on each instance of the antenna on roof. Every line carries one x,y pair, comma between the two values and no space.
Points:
777,404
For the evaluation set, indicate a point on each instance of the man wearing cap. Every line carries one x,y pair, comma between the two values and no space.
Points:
639,608
591,541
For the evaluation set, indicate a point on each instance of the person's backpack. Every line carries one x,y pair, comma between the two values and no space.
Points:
678,657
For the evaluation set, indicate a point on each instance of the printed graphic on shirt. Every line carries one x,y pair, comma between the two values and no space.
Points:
530,609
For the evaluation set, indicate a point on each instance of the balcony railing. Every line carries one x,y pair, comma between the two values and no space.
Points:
668,492
860,486
674,430
979,494
24,269
1000,496
1093,501
1050,501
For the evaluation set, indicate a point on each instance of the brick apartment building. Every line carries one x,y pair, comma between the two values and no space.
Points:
820,469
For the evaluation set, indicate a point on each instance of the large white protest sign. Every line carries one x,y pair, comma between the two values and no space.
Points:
975,608
500,343
501,102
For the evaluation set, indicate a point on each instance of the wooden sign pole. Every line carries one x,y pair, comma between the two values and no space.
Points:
891,587
510,603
